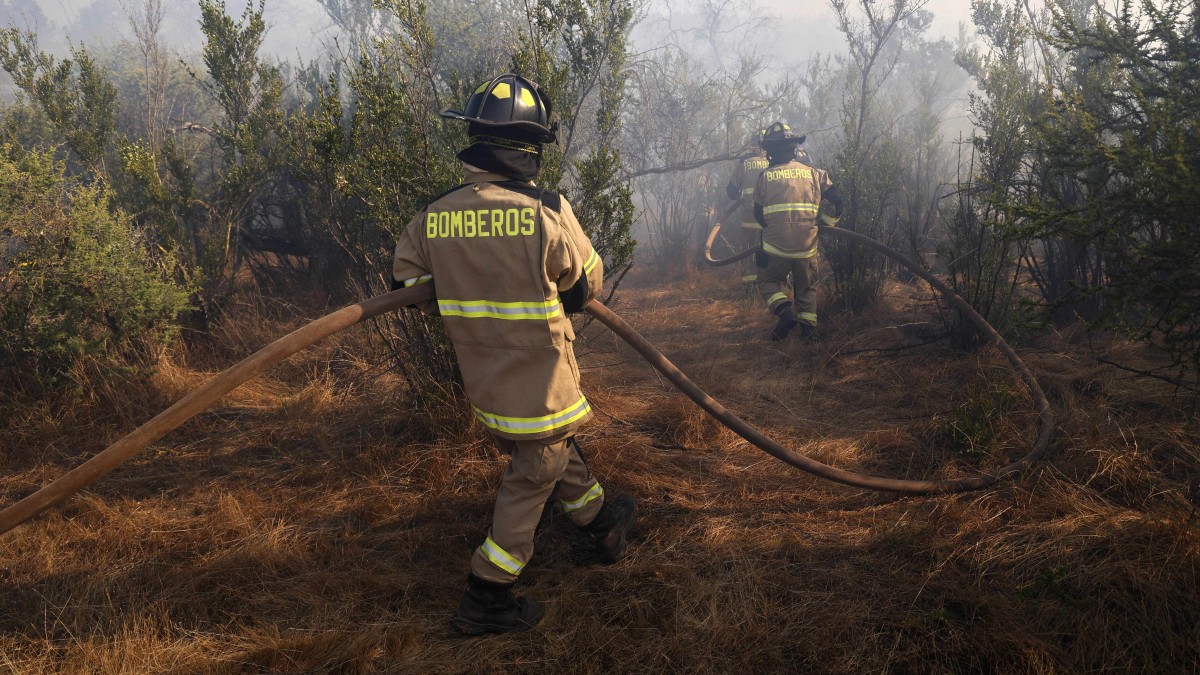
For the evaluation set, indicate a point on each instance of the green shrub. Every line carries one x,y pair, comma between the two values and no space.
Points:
76,278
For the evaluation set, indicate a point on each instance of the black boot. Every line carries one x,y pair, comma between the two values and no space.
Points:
609,527
787,321
808,333
489,607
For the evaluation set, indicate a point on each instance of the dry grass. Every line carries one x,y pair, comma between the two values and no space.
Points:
311,524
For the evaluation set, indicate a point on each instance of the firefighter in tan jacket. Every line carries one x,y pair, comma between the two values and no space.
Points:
509,262
788,199
741,189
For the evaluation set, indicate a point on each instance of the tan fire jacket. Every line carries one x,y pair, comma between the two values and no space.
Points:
790,197
741,186
499,252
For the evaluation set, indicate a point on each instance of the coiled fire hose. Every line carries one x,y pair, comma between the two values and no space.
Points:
199,399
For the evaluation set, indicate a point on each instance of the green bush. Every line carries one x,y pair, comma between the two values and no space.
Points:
76,278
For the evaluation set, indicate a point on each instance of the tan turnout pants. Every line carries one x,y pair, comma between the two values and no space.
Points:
535,468
773,279
749,238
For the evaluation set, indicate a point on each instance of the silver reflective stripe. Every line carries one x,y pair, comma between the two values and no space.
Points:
501,558
792,255
592,260
423,279
535,425
488,309
803,207
591,495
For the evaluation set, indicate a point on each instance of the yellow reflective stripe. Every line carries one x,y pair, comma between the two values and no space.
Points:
792,255
423,279
592,260
775,298
829,220
747,191
791,206
535,425
490,309
501,558
751,225
808,316
749,278
590,496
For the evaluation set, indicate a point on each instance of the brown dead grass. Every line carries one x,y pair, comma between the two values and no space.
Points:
310,523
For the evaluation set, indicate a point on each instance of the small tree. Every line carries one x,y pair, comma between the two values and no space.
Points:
76,278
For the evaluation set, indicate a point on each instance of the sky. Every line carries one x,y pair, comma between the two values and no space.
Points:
300,26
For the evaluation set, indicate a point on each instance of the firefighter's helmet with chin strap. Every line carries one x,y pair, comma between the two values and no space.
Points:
508,106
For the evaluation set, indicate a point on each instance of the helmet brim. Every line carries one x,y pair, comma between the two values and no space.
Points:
535,130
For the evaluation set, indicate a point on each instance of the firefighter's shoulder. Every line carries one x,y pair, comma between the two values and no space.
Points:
549,198
437,198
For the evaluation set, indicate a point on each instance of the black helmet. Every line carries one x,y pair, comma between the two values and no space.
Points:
508,105
779,135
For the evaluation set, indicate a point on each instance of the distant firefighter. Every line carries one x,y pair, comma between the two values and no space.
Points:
787,202
741,189
509,261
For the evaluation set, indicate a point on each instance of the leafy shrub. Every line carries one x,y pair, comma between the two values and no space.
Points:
76,278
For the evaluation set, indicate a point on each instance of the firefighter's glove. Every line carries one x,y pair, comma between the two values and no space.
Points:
575,298
760,258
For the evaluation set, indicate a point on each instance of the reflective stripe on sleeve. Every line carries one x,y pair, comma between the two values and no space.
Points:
535,425
501,558
590,496
829,220
792,255
808,316
776,298
749,278
746,192
803,207
509,311
423,279
591,262
750,225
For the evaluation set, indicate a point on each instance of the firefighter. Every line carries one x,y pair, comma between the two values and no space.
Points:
741,189
510,261
788,199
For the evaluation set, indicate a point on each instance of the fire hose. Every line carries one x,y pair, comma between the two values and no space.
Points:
197,400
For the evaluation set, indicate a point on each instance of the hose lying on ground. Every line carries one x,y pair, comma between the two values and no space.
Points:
1040,403
199,399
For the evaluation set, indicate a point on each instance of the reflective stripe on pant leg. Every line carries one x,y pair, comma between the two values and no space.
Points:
804,273
579,493
500,558
776,299
527,483
771,280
